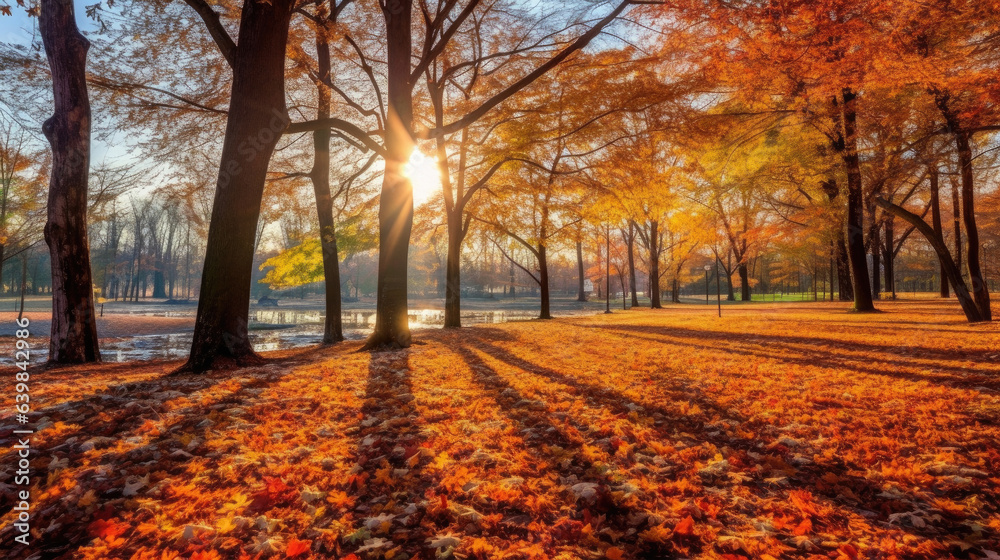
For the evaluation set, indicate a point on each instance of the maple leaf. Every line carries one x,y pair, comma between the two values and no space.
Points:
87,500
685,527
266,544
297,548
373,544
384,475
614,553
848,550
107,529
656,534
132,488
803,500
481,547
274,494
444,541
239,501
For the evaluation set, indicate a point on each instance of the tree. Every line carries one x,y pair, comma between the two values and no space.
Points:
969,305
74,328
396,204
257,117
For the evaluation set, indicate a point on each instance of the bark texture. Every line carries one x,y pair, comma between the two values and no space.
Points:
257,118
654,265
395,213
333,330
936,223
74,328
969,306
855,207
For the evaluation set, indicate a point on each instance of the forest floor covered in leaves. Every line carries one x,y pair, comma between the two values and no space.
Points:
778,431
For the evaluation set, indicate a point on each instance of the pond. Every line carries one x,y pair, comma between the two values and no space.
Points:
281,329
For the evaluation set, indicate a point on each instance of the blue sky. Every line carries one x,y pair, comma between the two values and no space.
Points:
21,29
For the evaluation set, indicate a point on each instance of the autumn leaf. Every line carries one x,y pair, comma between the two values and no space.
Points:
107,529
685,527
614,553
656,534
848,550
297,548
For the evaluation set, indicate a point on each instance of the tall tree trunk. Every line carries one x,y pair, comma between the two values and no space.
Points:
187,261
936,221
980,290
845,291
845,288
730,295
855,207
744,271
581,292
170,268
888,258
543,283
453,271
876,247
74,327
631,263
654,265
24,284
957,216
395,213
830,277
969,306
159,281
257,118
333,330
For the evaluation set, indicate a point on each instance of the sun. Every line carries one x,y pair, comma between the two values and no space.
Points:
423,174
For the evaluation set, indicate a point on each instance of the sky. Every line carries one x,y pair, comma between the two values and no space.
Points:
20,29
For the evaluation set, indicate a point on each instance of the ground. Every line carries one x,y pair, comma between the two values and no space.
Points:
777,431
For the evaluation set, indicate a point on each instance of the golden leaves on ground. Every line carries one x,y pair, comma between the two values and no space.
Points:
773,433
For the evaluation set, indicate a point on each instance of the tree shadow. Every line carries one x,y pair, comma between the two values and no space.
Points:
105,420
822,352
869,497
389,477
548,441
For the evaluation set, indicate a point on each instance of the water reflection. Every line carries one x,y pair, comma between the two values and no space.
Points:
281,329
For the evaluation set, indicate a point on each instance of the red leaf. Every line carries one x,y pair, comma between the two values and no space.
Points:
275,493
297,548
804,528
849,550
685,528
275,485
107,529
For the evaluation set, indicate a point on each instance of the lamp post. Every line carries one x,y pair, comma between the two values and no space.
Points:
707,268
718,286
